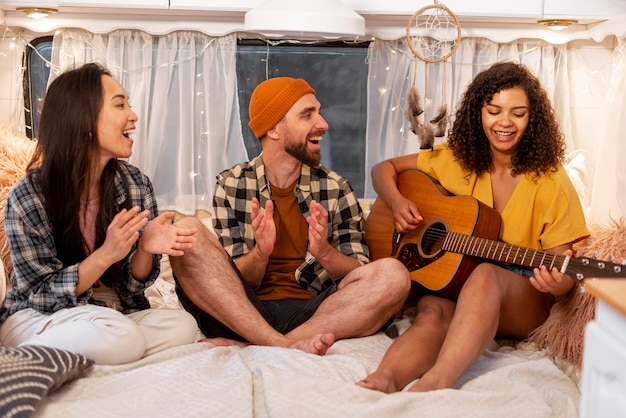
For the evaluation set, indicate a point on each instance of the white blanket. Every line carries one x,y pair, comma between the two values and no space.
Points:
201,380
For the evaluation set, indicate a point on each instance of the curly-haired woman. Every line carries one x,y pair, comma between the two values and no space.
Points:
505,149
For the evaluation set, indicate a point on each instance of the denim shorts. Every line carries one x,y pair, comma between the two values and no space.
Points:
522,271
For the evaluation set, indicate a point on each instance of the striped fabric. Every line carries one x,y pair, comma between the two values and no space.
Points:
29,373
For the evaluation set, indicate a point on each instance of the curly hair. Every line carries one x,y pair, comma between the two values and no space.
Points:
541,148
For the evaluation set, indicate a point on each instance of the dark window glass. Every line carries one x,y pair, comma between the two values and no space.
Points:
36,81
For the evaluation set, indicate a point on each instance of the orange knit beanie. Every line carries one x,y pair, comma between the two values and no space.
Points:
272,99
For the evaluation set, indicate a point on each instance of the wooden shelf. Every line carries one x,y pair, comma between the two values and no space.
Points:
610,291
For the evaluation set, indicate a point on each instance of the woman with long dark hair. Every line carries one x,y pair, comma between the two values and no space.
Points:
84,232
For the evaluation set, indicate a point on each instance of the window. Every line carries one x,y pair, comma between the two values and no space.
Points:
336,70
36,81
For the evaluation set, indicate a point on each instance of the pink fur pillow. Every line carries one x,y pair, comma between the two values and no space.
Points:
15,152
562,335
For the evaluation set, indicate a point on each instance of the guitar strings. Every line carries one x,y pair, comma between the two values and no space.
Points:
478,246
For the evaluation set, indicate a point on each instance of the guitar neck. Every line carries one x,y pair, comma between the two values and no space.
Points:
578,268
501,251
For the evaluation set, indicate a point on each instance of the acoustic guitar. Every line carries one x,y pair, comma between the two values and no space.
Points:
458,233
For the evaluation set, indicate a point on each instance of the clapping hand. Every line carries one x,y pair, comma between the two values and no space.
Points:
160,236
264,227
318,230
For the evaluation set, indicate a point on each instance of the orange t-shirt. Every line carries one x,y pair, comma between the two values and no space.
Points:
290,248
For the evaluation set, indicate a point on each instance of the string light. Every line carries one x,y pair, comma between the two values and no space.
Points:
36,12
557,24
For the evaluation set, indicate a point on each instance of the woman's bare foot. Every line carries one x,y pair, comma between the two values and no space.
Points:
318,344
428,383
381,381
223,342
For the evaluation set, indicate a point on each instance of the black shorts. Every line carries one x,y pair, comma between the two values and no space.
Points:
282,315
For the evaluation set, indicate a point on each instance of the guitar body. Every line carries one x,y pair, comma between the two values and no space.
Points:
440,271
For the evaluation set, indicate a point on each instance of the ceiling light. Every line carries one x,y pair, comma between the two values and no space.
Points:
558,24
311,19
36,12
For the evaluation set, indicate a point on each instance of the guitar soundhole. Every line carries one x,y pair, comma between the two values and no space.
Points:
432,239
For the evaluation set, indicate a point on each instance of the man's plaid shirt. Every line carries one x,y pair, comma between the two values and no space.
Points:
40,280
232,205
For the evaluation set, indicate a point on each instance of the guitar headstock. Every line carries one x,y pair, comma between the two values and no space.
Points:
585,267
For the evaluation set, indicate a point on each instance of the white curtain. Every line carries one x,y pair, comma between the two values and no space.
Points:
11,67
608,189
394,70
183,87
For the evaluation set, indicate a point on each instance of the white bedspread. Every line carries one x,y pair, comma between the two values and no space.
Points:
201,380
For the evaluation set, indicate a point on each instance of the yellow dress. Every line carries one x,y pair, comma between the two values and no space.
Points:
540,214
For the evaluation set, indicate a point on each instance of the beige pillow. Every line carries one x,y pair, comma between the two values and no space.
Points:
563,332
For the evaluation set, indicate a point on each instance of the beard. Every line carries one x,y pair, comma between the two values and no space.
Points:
301,152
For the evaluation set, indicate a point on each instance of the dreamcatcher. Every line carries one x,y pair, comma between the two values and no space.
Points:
433,34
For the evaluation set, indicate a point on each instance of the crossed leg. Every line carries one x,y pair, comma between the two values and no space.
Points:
209,280
366,298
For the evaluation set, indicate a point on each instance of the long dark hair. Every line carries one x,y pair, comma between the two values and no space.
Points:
541,148
65,158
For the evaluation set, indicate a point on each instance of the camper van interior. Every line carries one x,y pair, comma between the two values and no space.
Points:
190,66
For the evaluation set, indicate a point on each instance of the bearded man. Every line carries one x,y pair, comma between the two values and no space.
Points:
290,265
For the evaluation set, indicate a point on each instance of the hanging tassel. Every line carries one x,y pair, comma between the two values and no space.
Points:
441,121
426,136
414,110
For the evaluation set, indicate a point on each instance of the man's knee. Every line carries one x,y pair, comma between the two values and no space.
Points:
393,273
207,246
189,222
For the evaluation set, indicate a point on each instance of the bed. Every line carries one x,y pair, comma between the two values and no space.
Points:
200,380
204,380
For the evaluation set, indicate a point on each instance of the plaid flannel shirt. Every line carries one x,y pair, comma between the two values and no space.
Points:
232,205
40,280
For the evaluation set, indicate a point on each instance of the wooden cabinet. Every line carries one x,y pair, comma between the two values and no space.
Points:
34,3
510,9
596,9
604,361
128,4
474,8
498,20
217,5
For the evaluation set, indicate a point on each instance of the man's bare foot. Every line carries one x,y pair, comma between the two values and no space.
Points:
318,344
223,342
379,380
